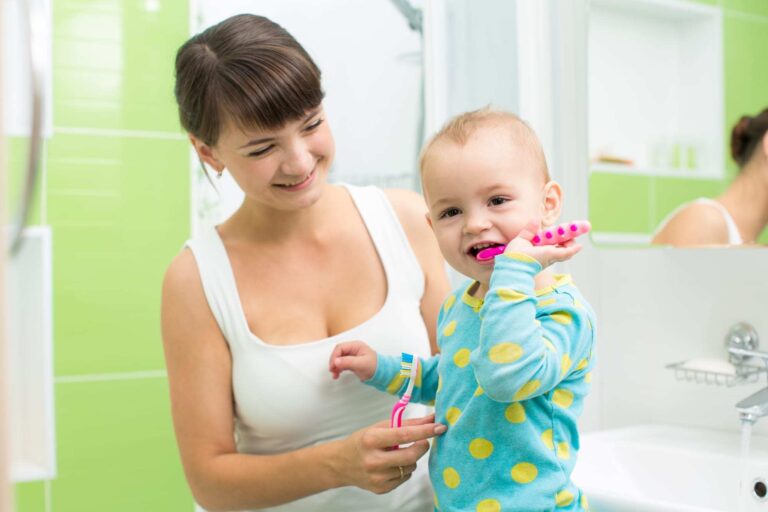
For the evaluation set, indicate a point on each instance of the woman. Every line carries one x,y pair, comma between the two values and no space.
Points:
739,214
253,307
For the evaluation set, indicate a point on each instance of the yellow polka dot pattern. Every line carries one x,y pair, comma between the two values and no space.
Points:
519,256
451,478
515,413
461,357
509,295
480,448
449,303
563,498
524,473
565,365
562,397
489,505
417,383
506,352
546,438
588,377
452,415
584,502
502,347
527,390
395,384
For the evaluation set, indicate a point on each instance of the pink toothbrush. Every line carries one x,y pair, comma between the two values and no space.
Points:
409,367
552,236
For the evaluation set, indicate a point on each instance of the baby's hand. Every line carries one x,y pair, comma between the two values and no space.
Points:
546,255
354,356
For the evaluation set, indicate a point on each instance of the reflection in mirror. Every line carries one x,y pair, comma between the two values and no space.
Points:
668,82
740,213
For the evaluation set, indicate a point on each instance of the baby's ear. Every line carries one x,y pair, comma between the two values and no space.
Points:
552,203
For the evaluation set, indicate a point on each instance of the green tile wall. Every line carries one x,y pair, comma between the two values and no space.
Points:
116,448
116,194
119,208
31,496
620,203
752,7
113,63
745,32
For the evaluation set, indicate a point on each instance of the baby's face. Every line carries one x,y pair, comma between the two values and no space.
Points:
481,194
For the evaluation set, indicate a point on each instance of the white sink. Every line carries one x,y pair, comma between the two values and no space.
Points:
654,468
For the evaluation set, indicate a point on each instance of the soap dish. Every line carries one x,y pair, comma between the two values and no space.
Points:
716,372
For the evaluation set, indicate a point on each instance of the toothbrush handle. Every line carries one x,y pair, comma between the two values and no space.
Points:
552,236
561,233
396,421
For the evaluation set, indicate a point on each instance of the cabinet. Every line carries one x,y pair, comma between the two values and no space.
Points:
655,87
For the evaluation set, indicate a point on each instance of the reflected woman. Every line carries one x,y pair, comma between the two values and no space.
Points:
740,213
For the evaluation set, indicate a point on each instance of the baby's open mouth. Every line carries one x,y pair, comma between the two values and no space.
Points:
475,249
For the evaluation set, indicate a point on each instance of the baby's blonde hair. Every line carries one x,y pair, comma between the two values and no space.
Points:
460,128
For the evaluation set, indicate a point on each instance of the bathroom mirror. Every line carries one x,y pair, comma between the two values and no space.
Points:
667,81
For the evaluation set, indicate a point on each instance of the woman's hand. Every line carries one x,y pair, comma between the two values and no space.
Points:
354,356
546,255
367,460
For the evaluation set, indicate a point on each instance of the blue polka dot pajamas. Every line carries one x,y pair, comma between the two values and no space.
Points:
509,382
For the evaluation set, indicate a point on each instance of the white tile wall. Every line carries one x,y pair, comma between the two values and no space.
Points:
657,306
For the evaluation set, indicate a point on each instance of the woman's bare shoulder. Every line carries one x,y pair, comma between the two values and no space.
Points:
183,294
695,224
182,273
409,206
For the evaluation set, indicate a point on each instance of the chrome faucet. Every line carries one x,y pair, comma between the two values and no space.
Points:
742,344
754,407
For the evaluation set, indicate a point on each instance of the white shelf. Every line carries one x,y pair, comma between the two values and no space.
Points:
29,302
655,84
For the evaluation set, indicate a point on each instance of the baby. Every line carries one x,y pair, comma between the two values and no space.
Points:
515,343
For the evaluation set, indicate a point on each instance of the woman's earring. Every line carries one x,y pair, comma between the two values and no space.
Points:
219,172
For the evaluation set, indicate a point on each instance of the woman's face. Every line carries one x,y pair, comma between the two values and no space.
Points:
284,169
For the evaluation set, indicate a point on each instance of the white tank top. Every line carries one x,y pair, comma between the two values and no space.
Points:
285,398
734,237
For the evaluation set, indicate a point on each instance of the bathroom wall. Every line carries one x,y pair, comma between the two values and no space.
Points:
660,306
745,32
116,193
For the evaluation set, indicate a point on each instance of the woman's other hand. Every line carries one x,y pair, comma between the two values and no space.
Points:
367,460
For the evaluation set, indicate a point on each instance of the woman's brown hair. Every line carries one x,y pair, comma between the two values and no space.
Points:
246,70
747,135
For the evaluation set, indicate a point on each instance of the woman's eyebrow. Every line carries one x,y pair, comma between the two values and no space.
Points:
255,142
